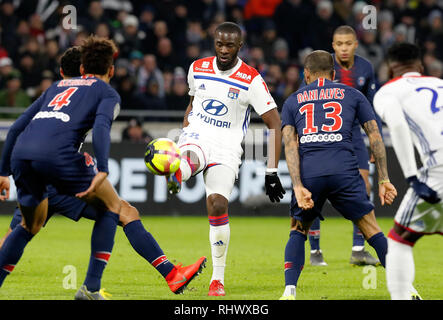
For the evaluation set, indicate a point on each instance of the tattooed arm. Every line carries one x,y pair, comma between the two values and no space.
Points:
387,191
302,194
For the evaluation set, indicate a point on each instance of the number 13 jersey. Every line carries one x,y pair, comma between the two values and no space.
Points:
323,114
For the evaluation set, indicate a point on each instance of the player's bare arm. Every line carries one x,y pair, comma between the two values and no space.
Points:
273,122
188,110
387,191
302,194
4,188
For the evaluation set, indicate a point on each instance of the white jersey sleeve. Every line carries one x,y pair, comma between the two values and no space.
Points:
191,80
390,111
259,96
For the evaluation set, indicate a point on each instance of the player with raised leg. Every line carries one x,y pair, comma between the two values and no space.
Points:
410,106
356,72
215,123
317,123
141,240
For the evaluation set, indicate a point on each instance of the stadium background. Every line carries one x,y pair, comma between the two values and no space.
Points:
158,40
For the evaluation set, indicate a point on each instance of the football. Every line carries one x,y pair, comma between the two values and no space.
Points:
162,156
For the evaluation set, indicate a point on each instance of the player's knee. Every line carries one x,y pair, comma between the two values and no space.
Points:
300,226
193,160
217,205
405,234
128,213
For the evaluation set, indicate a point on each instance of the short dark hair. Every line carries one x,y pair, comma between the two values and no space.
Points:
97,55
229,27
70,62
345,30
319,61
404,53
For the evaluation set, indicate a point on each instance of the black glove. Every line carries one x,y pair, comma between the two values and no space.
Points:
422,190
274,189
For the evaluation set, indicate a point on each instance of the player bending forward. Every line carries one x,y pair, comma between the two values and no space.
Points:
410,104
317,123
215,123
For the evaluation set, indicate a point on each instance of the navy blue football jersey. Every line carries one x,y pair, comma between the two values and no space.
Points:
53,128
323,114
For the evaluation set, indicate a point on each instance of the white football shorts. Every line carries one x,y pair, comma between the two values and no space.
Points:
417,215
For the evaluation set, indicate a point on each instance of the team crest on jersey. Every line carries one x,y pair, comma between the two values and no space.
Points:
361,81
233,93
205,64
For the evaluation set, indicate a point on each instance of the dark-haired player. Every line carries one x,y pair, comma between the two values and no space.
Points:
410,104
317,123
356,72
223,88
141,240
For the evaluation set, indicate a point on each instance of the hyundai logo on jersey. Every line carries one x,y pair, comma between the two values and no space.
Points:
214,107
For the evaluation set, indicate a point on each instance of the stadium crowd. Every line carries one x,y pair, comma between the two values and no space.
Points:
158,40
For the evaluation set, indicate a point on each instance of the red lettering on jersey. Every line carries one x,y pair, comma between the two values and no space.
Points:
313,94
305,96
62,99
245,73
204,65
300,98
322,94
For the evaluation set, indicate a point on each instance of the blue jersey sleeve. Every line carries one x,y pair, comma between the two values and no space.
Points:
101,131
364,110
14,131
287,113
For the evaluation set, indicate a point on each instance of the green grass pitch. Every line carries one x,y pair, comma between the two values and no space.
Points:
254,267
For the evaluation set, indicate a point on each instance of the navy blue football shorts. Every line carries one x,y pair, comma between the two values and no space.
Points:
346,193
32,178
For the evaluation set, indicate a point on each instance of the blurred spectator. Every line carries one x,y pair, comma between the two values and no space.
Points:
130,99
147,71
322,26
292,81
47,79
256,59
13,95
51,57
151,98
130,38
102,30
178,99
268,38
94,16
134,132
370,49
30,72
8,22
385,32
435,69
436,33
280,53
166,58
6,67
291,19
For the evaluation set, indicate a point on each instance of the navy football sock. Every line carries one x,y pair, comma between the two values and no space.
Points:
12,250
146,246
379,242
358,240
102,242
314,234
294,257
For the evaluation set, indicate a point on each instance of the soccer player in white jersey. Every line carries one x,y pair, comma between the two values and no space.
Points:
222,89
410,104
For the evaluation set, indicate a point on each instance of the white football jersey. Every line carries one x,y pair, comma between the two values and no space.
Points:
412,108
222,102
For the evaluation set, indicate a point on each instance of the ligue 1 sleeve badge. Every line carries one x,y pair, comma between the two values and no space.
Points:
233,93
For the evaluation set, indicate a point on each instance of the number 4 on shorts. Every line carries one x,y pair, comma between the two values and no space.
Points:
62,99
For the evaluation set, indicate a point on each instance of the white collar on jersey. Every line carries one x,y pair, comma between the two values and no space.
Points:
411,74
229,71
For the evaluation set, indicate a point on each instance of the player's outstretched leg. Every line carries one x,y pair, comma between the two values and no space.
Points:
373,234
316,258
359,256
219,235
102,242
190,165
294,257
400,268
177,277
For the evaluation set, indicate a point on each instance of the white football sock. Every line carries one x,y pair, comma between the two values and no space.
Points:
219,240
400,270
289,291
